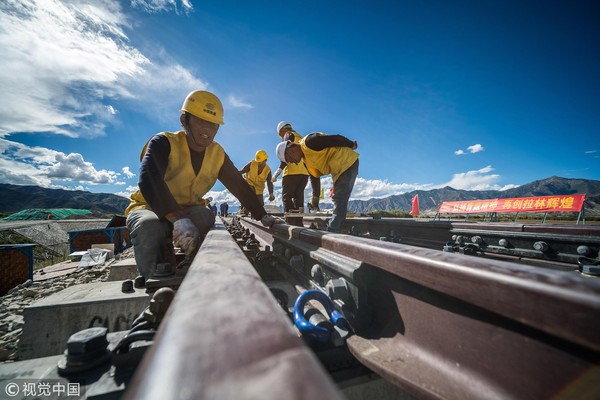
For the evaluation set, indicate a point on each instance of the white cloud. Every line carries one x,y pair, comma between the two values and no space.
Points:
367,189
71,58
475,180
128,173
162,5
591,151
476,148
235,102
127,192
24,165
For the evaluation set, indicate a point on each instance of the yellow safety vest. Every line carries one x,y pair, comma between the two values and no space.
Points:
292,168
332,160
186,187
256,180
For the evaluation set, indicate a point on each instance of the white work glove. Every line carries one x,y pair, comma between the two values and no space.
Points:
276,174
185,235
269,220
271,197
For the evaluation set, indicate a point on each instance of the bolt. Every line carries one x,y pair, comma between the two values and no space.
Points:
477,239
87,341
127,286
139,282
541,246
503,242
161,300
316,272
583,250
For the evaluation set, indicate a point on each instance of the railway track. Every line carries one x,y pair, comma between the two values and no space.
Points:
371,316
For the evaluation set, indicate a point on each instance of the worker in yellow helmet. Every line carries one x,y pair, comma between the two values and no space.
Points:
177,170
257,173
323,155
295,176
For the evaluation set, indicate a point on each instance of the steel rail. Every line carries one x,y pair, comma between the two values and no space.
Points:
561,243
443,325
225,337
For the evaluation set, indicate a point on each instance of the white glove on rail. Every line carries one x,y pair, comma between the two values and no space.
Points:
276,174
269,220
185,235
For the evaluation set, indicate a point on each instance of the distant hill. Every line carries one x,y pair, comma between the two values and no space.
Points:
15,198
430,200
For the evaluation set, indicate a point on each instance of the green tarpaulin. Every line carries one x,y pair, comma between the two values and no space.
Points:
45,213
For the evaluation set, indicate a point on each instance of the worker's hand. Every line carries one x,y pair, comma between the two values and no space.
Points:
276,174
185,235
271,197
269,220
355,145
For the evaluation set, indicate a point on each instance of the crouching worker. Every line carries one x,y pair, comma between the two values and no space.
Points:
177,170
323,155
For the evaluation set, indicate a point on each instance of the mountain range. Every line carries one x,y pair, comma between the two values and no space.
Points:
430,200
15,198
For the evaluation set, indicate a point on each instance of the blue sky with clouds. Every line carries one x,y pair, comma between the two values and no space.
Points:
470,94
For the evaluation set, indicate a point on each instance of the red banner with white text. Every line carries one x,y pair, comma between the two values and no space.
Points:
571,202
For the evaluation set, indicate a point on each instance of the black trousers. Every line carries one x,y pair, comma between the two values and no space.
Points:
293,191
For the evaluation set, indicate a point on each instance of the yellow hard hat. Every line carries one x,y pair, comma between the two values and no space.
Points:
204,105
260,156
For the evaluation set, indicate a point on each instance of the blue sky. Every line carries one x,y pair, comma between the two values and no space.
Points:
470,94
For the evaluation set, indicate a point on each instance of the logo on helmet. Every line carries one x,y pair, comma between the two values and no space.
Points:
209,109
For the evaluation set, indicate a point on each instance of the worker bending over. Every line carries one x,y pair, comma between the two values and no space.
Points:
295,176
323,155
177,170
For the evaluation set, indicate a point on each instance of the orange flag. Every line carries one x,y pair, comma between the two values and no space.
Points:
415,205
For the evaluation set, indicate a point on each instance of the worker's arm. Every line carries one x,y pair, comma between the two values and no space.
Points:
246,168
237,185
269,183
152,183
318,142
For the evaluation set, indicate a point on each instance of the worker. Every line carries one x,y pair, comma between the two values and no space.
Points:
257,173
210,205
224,209
295,176
326,154
177,170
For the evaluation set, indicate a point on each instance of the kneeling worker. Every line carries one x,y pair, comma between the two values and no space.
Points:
177,170
327,154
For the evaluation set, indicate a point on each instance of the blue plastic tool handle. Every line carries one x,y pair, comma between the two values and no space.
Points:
312,331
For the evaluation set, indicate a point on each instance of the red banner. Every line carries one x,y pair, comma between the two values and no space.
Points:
571,202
